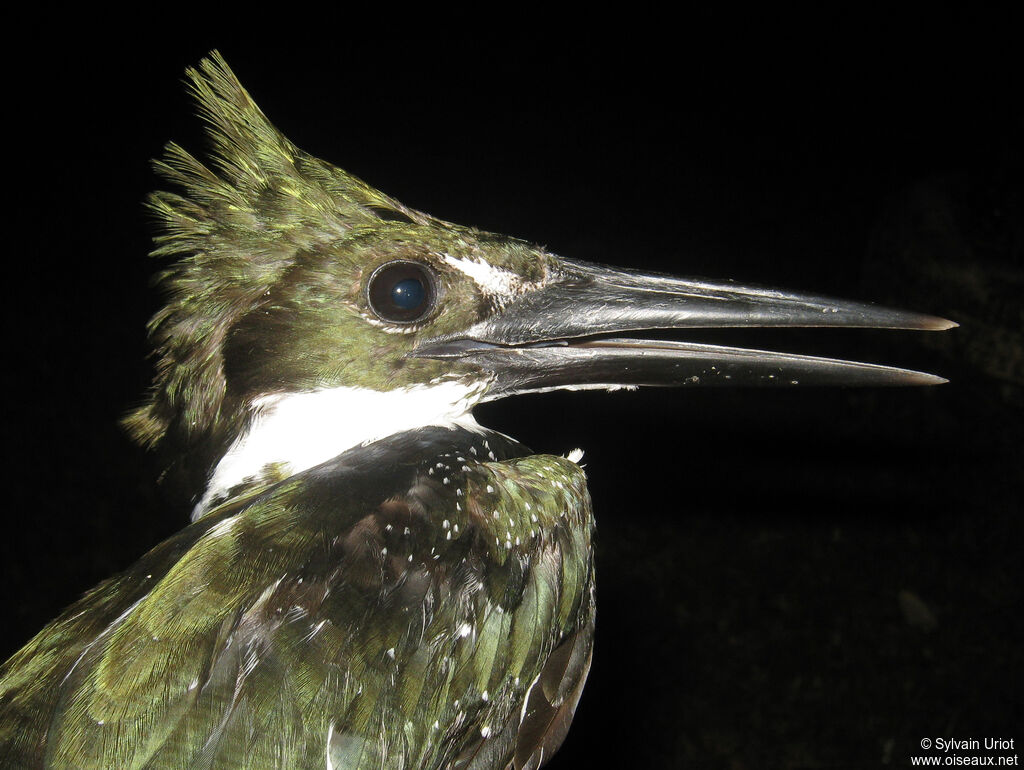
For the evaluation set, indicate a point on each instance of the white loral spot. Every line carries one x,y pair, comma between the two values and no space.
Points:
296,431
495,282
575,456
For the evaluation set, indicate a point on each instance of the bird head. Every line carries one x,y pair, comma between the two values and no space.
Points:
308,312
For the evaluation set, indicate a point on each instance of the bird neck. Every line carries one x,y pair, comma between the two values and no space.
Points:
288,433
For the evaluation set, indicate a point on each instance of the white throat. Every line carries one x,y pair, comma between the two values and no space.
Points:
296,431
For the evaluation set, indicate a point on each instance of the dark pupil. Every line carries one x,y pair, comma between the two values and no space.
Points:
408,293
401,292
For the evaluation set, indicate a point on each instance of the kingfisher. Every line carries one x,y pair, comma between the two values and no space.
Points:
370,578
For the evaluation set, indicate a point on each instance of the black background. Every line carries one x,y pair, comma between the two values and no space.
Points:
754,545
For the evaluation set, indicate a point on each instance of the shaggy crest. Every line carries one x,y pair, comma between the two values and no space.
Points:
238,225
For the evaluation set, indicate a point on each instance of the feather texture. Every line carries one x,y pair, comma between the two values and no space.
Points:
373,627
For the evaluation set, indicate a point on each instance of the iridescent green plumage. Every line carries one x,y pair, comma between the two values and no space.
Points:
331,619
272,247
341,615
371,580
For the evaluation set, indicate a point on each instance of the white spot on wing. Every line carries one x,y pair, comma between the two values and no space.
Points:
330,734
223,527
526,698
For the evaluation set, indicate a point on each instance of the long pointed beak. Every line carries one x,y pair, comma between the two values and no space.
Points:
555,336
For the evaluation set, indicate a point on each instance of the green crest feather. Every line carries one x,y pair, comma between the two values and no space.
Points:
238,224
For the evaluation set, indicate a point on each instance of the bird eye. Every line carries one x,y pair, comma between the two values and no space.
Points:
402,292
